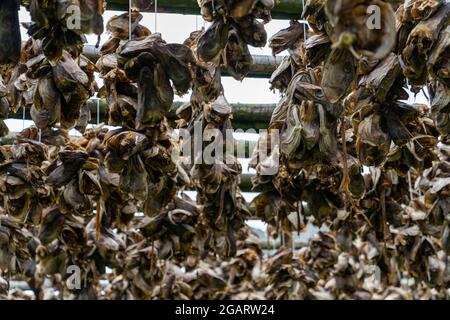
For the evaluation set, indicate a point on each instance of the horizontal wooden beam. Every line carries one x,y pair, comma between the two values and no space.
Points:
245,116
262,67
284,9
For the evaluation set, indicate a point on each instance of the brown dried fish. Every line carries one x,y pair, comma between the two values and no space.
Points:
10,32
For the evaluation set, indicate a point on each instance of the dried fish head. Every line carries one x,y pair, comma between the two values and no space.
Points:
372,142
352,28
46,108
217,111
252,31
339,73
119,25
155,97
419,44
91,16
72,161
212,41
52,224
286,38
314,13
236,57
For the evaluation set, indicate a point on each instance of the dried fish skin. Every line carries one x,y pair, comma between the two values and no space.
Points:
126,143
286,38
207,83
85,117
419,44
252,31
420,10
263,9
357,185
282,76
4,109
212,9
309,117
315,49
314,13
67,73
438,63
241,9
440,102
327,130
118,26
380,80
46,107
395,127
236,56
223,209
291,137
134,48
173,228
279,115
72,161
153,102
91,16
218,111
123,112
4,130
175,59
73,201
10,32
89,69
51,261
372,145
133,179
51,226
74,86
339,73
351,28
51,23
161,190
212,41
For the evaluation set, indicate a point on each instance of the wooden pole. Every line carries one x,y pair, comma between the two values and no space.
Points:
262,67
245,116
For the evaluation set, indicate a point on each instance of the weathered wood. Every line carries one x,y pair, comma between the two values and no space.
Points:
284,9
262,67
